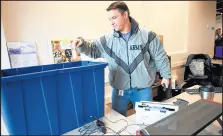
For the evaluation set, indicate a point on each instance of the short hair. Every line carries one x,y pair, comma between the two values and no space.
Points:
121,6
216,31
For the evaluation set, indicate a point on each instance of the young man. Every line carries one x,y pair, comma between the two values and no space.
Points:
134,55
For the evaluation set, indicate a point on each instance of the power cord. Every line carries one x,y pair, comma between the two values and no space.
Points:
124,128
94,127
99,126
110,132
116,120
88,129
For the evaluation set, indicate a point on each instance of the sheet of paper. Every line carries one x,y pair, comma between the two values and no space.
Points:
194,87
22,54
149,117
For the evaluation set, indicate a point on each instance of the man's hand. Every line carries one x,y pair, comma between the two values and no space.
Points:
166,82
76,43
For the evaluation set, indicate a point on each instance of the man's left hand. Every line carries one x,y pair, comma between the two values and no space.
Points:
166,82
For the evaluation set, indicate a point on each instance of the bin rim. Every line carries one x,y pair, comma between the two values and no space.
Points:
40,74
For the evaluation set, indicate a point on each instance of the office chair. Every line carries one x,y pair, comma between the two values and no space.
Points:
192,79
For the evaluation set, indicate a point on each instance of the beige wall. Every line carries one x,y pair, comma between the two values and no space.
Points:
42,21
183,24
168,18
200,38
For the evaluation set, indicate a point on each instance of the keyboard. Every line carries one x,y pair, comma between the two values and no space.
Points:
218,89
196,91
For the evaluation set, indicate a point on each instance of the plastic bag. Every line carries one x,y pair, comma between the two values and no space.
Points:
197,67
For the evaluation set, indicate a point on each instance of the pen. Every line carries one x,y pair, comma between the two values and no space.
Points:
155,109
141,106
169,109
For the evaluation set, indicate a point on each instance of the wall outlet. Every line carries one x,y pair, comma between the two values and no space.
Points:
210,27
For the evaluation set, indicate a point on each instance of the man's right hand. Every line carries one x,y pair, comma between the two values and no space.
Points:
76,43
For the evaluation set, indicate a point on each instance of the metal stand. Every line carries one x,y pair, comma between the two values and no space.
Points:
221,124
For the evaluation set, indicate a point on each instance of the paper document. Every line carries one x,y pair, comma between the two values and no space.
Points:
150,112
194,87
22,54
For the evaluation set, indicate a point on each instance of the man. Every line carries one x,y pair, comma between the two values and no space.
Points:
57,52
133,55
218,44
218,34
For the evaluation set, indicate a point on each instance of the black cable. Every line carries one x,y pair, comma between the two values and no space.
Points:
89,128
124,128
116,120
92,128
91,131
128,132
111,130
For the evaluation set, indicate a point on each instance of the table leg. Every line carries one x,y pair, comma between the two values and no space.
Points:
221,124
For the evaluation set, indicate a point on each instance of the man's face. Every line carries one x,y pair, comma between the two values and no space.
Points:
117,19
219,31
57,46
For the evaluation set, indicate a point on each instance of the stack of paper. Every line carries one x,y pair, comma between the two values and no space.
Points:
150,112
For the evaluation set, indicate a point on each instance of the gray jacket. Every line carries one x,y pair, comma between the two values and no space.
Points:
132,63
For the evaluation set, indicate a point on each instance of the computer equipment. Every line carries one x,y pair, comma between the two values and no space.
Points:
196,91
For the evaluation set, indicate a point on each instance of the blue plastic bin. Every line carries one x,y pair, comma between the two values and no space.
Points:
52,99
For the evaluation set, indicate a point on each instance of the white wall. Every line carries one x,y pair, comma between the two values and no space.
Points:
4,53
4,65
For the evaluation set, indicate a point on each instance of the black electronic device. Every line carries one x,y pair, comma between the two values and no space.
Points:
101,126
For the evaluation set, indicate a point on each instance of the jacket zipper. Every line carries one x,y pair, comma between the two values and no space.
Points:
128,61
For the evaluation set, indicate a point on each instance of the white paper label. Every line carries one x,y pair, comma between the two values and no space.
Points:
121,93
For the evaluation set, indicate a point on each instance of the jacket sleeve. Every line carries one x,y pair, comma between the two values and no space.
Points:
159,55
91,49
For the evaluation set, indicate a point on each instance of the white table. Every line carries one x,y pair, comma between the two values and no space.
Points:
112,115
212,129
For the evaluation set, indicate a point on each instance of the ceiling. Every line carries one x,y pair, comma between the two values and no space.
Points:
219,6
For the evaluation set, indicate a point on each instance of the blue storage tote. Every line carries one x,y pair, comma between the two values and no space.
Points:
52,99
